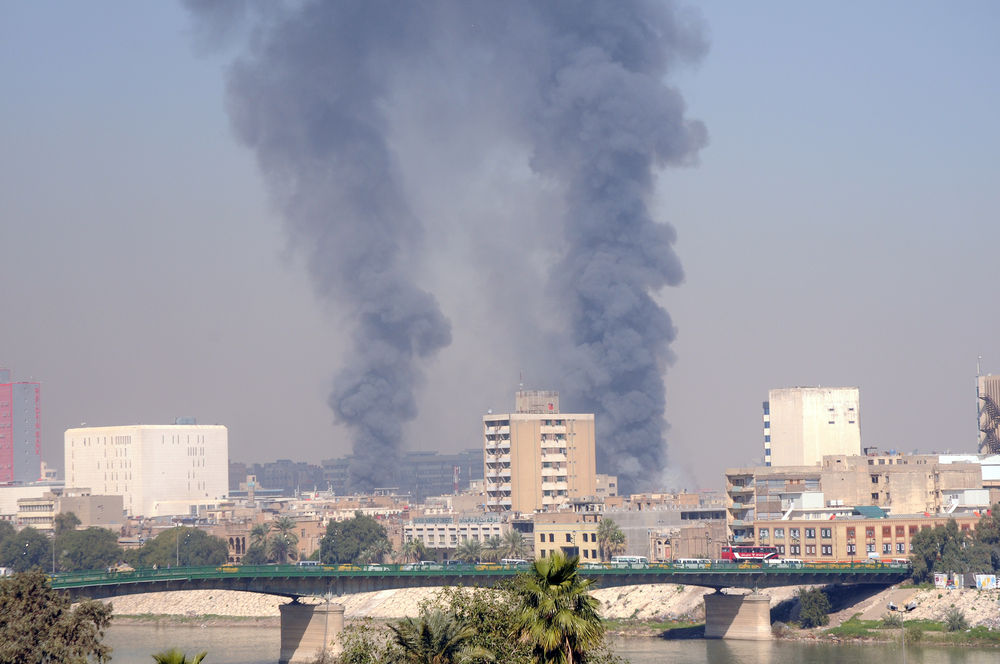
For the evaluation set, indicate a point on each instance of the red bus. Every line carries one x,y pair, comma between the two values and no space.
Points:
742,553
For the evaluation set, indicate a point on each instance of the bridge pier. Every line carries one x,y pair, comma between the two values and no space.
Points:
306,629
746,617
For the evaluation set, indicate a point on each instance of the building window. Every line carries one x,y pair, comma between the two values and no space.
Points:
569,537
585,537
552,537
542,552
900,531
874,479
794,549
763,534
870,532
586,553
870,548
900,547
810,533
810,549
826,550
781,549
793,533
851,549
779,533
850,533
826,533
875,497
886,532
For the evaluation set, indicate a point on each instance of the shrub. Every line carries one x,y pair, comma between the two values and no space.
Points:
892,620
814,607
780,630
955,620
914,633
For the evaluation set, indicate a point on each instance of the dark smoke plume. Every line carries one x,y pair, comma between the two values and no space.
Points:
579,84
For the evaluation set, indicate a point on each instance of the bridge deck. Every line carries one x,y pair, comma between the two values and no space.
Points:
300,581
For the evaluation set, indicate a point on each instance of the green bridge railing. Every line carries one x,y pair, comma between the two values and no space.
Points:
872,569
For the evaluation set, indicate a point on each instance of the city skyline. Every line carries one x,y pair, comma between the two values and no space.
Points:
835,231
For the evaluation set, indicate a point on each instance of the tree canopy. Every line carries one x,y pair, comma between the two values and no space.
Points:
947,549
190,546
38,626
26,549
345,540
93,548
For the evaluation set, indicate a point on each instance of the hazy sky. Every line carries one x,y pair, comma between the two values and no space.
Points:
838,230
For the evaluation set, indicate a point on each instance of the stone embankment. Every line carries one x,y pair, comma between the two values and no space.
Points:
639,603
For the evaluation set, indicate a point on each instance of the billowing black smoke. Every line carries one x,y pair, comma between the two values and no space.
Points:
580,85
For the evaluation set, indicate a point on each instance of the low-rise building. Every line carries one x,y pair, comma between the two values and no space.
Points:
571,533
446,532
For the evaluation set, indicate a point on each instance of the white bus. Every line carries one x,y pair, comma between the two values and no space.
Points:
514,562
693,563
629,561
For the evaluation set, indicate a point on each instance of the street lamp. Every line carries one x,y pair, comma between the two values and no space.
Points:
177,545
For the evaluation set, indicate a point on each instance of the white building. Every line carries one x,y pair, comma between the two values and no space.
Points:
804,424
159,470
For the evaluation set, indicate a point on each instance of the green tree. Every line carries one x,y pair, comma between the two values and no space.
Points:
281,547
557,615
437,637
191,546
38,625
947,549
259,533
345,540
494,613
610,539
492,549
255,555
65,521
365,643
414,550
378,552
93,548
814,607
469,551
25,550
175,656
514,545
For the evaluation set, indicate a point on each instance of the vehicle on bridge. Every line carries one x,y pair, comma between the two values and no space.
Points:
743,553
629,561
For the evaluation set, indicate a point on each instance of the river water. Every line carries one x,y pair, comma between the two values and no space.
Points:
134,644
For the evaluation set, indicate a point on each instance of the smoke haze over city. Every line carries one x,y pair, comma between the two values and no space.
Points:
521,184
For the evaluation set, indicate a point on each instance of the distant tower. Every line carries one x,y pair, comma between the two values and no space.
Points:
20,430
802,424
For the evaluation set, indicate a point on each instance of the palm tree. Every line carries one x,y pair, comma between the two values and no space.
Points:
514,545
557,615
414,550
175,656
281,547
437,638
469,551
610,539
491,549
258,534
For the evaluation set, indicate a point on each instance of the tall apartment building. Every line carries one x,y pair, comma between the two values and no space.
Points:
538,458
20,430
159,470
988,393
804,424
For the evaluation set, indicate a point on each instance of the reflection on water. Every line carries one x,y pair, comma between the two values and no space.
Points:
244,644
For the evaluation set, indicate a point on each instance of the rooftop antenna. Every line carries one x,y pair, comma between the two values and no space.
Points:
520,380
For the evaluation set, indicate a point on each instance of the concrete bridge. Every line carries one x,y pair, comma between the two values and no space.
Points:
305,628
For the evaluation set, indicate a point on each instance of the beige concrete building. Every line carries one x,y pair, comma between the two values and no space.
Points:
804,424
900,484
159,470
448,532
572,533
854,538
538,458
100,511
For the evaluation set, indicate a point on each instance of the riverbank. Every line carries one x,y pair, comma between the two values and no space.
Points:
647,610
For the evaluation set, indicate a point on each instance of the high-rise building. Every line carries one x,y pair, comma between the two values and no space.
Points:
20,430
988,391
159,470
538,458
804,424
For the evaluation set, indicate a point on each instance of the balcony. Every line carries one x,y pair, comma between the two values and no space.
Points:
741,489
